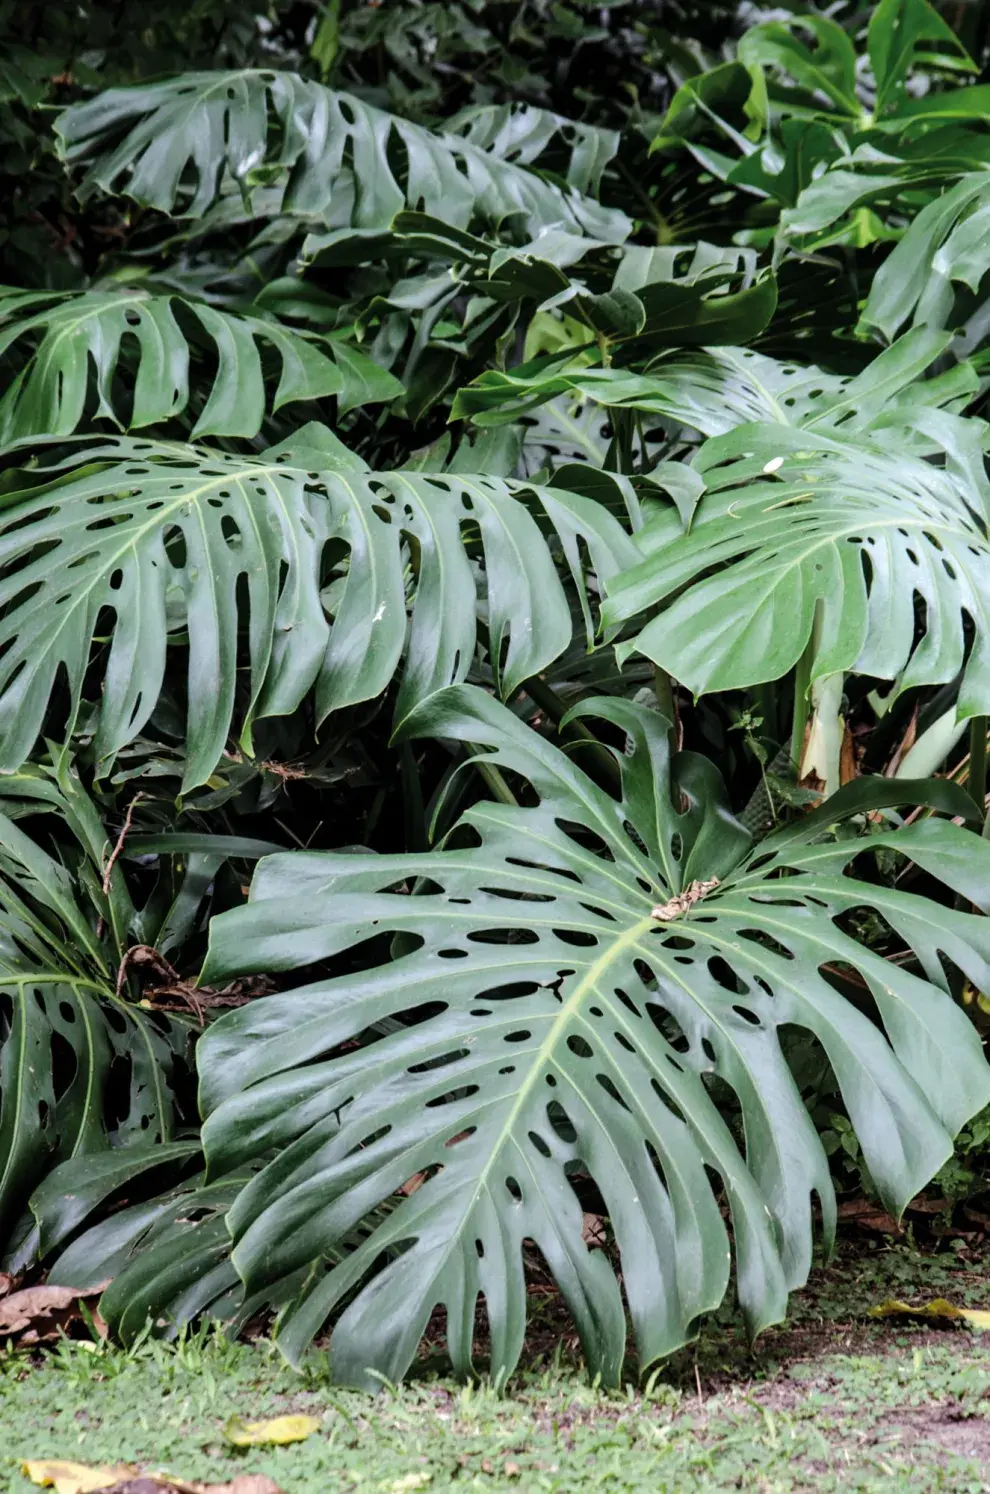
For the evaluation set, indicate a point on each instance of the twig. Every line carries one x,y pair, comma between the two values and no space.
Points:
108,872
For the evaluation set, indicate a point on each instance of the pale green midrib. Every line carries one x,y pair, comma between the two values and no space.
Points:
544,1052
541,1055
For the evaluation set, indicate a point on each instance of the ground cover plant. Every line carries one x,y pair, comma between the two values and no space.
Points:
494,661
835,1400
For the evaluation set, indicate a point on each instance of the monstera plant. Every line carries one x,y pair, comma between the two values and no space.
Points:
559,548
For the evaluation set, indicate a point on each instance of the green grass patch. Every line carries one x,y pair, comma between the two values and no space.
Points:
831,1401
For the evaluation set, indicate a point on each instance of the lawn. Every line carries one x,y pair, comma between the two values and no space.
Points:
833,1401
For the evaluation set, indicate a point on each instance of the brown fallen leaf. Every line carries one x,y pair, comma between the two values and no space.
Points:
156,1483
939,1310
40,1314
6,1284
869,1216
244,1483
593,1231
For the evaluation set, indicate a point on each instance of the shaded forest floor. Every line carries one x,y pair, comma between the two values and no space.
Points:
834,1400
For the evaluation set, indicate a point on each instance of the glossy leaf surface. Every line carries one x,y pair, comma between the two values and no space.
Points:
564,979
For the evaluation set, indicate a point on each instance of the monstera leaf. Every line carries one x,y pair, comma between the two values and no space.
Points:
945,246
174,145
713,390
82,1068
541,1007
65,335
149,543
871,557
537,137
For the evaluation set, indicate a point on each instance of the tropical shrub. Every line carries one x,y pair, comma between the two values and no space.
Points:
520,479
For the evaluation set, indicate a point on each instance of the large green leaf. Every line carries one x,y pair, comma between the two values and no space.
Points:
151,543
548,999
68,336
946,245
174,145
81,1067
874,557
537,137
713,390
896,30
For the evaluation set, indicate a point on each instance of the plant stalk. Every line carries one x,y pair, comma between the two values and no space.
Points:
802,679
978,764
664,690
550,703
494,781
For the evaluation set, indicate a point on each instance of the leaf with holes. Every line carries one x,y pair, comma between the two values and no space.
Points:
175,145
853,547
533,1016
54,340
81,1069
715,389
150,544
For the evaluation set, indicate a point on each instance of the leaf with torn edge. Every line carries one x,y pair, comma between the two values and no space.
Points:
275,1432
938,1310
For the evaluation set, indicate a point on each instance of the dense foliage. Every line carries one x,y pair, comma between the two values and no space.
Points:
519,471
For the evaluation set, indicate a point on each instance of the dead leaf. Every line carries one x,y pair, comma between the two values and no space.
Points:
593,1231
158,1483
276,1432
40,1314
869,1216
848,760
140,1485
676,906
938,1311
80,1478
244,1483
74,1478
6,1284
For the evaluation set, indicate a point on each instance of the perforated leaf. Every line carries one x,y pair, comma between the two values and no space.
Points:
552,994
888,550
173,145
150,544
80,1068
66,347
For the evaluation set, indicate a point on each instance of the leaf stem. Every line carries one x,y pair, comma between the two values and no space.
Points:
664,691
977,779
765,701
550,703
493,779
802,679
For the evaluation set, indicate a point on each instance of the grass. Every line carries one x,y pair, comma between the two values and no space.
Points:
832,1401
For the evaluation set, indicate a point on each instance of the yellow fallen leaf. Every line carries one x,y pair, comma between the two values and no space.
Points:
80,1478
938,1310
277,1431
74,1478
409,1482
